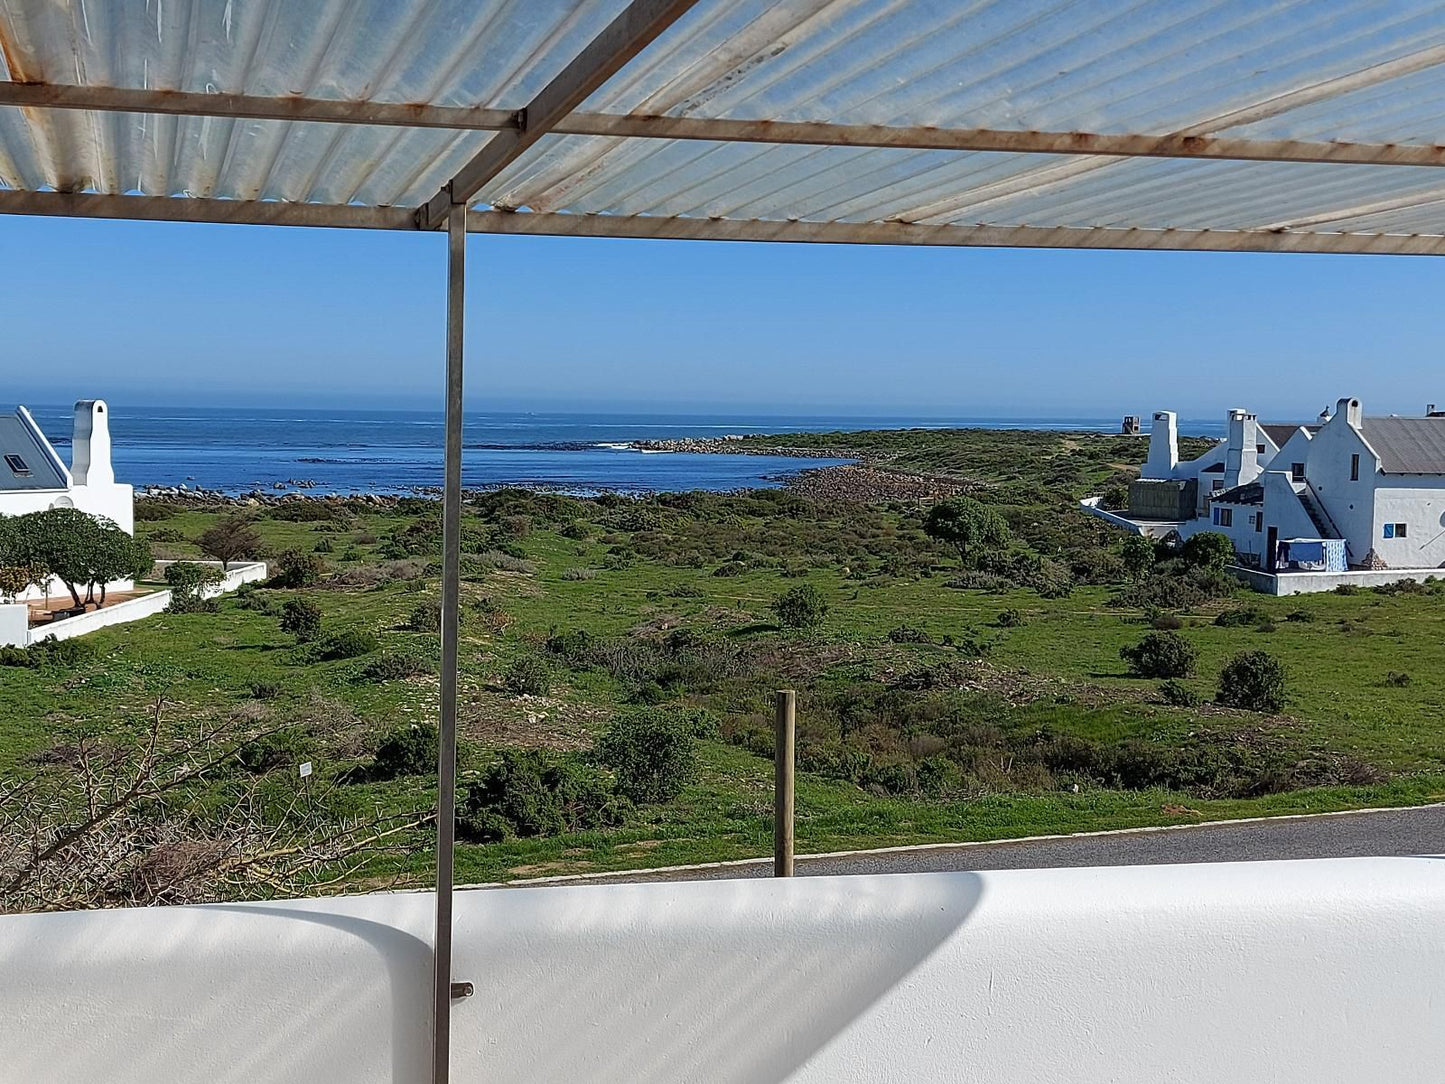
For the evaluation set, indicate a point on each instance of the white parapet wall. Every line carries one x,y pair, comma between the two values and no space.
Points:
1307,972
13,630
1310,583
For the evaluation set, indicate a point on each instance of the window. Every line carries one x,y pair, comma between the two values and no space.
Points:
1224,517
1396,530
1259,521
1355,467
1259,449
1297,472
1218,485
17,466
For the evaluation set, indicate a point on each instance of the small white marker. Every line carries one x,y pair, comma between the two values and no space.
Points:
305,769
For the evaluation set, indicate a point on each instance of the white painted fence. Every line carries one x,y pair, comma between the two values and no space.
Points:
1282,972
12,617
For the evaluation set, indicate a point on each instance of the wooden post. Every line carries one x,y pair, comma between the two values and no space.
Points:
784,718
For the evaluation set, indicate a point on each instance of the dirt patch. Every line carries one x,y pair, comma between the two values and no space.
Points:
533,722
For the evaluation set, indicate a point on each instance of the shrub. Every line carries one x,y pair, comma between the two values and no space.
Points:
1160,655
1347,589
1178,694
651,752
1240,616
410,749
529,675
426,616
1166,622
1011,618
279,749
350,644
1300,615
526,792
296,569
801,607
301,618
1138,555
576,574
48,652
390,667
1397,679
907,634
1208,549
265,690
187,580
1253,680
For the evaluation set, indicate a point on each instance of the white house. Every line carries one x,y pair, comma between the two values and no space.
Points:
33,477
1375,483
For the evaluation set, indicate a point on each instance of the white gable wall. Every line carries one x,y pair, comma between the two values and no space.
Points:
1418,501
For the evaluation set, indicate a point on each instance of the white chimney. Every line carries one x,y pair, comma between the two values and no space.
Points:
1163,446
90,446
1241,455
1350,410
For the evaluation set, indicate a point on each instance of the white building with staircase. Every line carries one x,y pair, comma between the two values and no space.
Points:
1376,484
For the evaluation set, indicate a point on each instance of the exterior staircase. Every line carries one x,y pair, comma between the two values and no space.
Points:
1319,517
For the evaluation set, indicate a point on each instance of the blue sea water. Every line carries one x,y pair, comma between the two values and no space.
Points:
237,449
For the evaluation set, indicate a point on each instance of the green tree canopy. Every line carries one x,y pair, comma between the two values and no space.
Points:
968,526
79,549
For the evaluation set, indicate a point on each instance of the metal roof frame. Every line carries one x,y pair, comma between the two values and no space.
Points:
929,205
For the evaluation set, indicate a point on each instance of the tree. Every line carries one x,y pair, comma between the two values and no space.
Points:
1160,655
230,539
1208,549
1253,680
967,526
188,581
302,619
80,549
801,607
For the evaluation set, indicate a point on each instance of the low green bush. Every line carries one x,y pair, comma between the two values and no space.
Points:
392,666
1255,681
1160,655
409,749
801,607
349,644
527,793
652,753
301,618
528,675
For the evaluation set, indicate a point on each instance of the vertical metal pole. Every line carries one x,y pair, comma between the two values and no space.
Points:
451,594
784,724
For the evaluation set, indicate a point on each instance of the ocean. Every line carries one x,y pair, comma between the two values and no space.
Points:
236,450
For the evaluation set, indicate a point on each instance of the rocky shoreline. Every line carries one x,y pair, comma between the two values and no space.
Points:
732,444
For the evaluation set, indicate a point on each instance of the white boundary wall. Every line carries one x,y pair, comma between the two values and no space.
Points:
1284,971
1309,583
118,613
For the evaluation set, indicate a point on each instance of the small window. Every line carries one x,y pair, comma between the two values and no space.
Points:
1355,467
1224,517
17,465
1259,449
1297,472
1259,521
1218,485
1396,530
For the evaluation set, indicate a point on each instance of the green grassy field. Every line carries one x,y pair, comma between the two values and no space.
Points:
924,717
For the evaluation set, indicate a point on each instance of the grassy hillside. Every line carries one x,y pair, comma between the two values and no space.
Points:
936,703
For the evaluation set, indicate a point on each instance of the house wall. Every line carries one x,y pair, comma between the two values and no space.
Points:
115,502
1418,502
1289,972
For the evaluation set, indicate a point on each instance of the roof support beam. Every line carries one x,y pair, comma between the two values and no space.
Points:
903,233
252,107
263,213
718,130
638,26
181,209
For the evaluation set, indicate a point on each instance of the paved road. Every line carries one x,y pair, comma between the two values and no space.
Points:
1347,835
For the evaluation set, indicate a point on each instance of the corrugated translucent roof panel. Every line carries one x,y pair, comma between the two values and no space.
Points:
1036,77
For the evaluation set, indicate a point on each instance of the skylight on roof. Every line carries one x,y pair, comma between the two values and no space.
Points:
17,465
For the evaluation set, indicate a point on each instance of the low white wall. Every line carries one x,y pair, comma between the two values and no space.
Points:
133,609
1286,972
14,624
1309,583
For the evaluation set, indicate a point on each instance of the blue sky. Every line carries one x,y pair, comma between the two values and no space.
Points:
169,313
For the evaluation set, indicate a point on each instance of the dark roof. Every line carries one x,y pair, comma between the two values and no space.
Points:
33,466
1249,493
1280,434
1407,445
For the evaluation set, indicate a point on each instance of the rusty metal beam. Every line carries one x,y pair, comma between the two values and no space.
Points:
249,106
904,233
720,130
641,23
191,209
249,212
